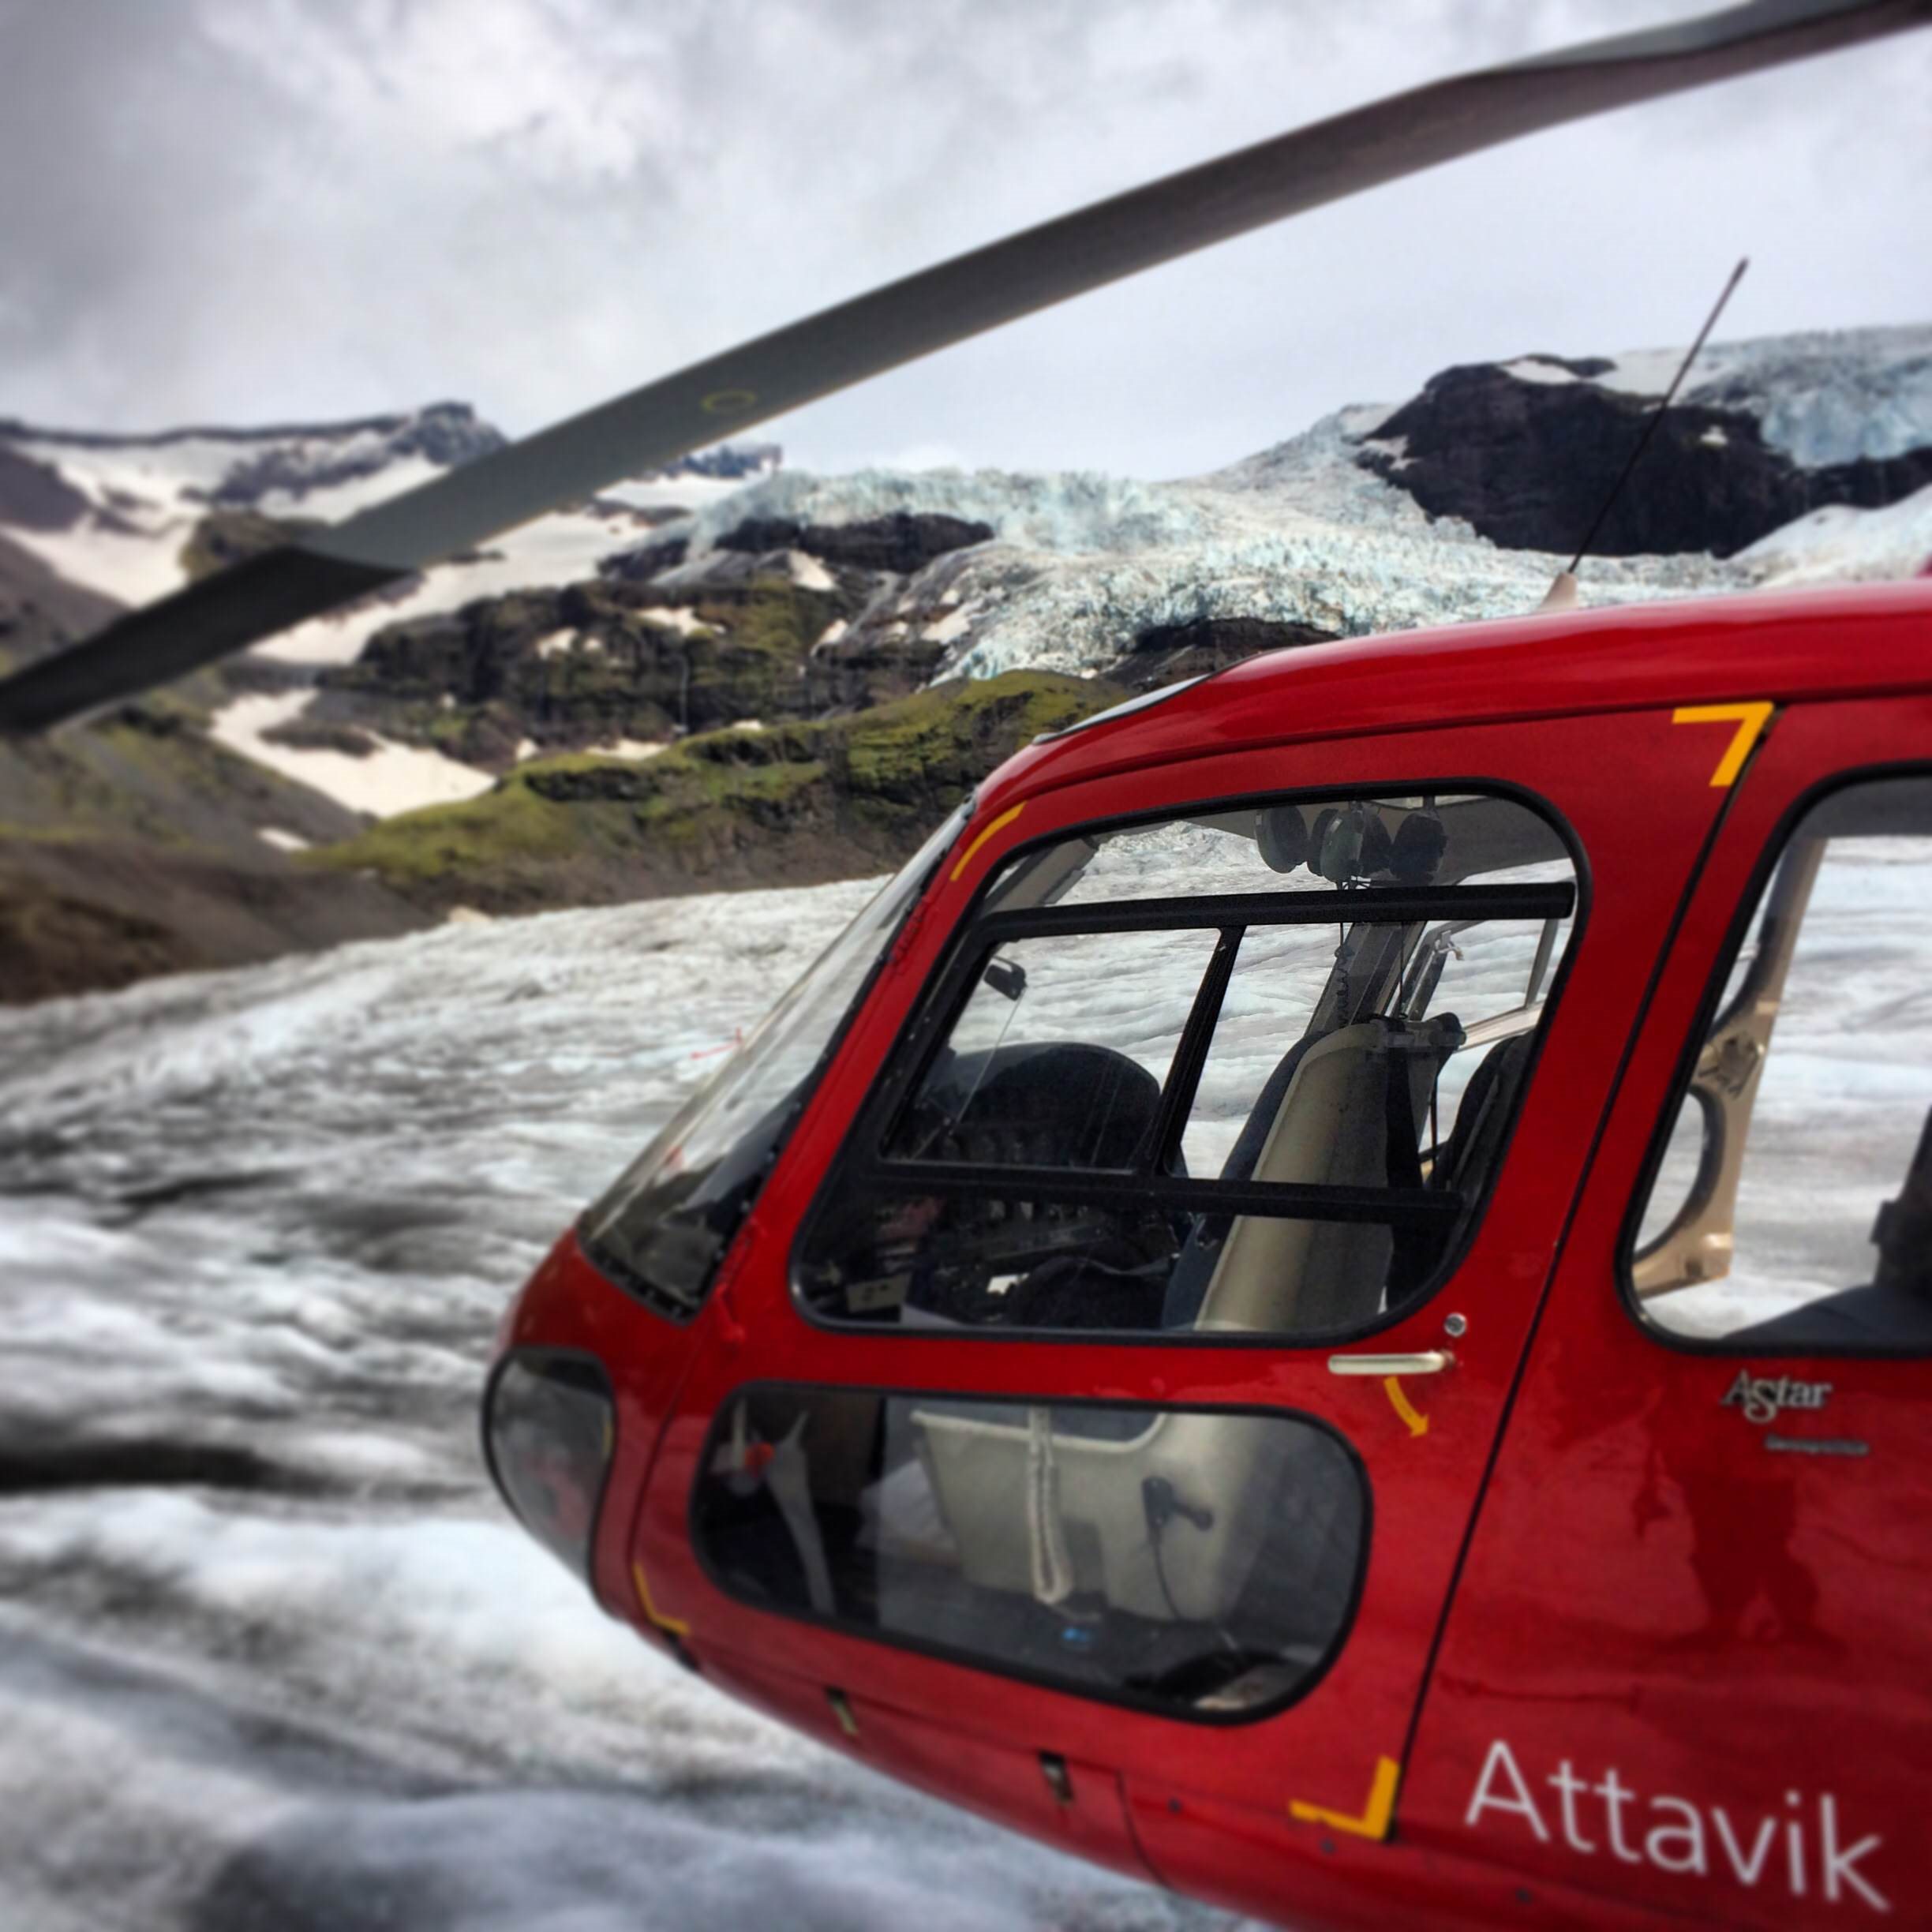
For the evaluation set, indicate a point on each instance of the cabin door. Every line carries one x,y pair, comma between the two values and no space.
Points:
1101,1423
1688,1663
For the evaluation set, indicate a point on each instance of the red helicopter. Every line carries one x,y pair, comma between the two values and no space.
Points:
1326,1301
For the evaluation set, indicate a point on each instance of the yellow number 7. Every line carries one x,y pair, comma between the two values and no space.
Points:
1750,719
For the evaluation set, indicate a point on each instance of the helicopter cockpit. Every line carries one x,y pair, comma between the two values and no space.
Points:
1146,1053
1239,1074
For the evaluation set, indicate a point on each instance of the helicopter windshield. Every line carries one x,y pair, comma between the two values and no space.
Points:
661,1230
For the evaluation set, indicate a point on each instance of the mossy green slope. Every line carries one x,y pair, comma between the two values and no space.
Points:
798,804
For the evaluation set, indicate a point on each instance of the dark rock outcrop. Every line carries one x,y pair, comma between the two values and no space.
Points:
304,734
225,537
757,535
34,497
640,565
582,665
1163,653
902,543
40,609
446,433
1529,464
728,462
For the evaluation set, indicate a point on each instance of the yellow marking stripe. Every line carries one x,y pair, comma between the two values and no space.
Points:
1374,1822
1418,1424
999,824
1750,719
675,1626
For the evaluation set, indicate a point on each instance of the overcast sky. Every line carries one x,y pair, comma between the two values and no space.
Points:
246,211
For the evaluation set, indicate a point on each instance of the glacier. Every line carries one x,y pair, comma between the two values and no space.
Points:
276,1214
272,1217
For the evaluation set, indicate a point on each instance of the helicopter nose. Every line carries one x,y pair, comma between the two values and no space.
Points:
580,1383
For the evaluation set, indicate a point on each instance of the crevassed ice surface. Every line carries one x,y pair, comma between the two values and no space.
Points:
278,1212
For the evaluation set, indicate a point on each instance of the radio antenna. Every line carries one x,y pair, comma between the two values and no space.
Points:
1563,592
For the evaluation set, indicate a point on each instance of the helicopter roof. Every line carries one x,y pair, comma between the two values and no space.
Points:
1777,645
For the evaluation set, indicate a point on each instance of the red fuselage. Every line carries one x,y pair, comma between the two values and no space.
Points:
1608,1659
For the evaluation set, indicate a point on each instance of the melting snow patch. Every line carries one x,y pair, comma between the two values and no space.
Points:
392,778
1840,544
562,548
629,748
135,569
1537,369
1646,372
808,573
675,617
282,840
950,628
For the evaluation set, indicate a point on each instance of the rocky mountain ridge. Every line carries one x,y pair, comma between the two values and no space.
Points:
495,713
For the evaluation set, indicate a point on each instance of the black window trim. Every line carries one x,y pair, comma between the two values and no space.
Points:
859,1162
1743,919
1135,1187
1230,916
946,1653
1394,905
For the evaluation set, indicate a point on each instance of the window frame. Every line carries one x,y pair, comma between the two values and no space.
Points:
860,1162
965,1660
1744,918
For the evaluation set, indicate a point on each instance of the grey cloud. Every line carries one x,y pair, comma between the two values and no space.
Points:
254,209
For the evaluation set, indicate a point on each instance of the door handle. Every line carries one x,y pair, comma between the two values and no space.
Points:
1426,1361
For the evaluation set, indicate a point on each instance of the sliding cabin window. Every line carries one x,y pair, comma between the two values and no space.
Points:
1790,1207
1203,1563
1248,1072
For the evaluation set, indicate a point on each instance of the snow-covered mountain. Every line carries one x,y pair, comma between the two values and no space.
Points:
128,518
734,593
1332,531
117,513
1787,459
1791,459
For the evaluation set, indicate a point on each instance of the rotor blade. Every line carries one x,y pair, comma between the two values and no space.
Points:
959,298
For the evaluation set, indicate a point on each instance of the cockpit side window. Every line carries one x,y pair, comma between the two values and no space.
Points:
1245,1072
1790,1204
